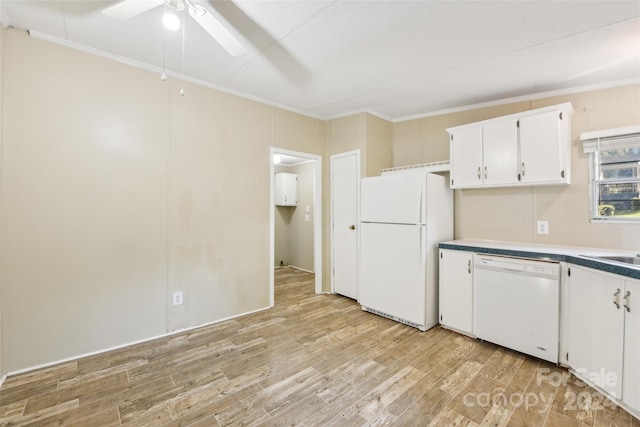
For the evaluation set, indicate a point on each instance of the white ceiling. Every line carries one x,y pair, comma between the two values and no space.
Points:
397,59
290,160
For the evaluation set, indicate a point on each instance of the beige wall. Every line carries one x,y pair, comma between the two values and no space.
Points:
301,242
510,213
379,145
117,192
345,134
371,135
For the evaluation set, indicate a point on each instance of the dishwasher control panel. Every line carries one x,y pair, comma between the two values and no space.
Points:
518,265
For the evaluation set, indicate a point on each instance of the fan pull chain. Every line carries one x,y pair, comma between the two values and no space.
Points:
163,76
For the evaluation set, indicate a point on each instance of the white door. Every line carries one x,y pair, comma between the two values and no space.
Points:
345,196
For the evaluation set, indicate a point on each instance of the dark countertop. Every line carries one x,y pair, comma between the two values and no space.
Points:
570,254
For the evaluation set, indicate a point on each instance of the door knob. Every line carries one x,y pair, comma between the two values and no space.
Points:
352,227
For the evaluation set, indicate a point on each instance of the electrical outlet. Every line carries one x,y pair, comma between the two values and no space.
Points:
543,227
177,298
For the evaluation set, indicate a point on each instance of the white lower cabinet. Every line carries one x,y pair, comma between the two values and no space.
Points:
631,368
603,342
596,328
600,314
456,290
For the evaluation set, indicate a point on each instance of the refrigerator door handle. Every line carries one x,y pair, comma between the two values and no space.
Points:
423,203
423,249
419,199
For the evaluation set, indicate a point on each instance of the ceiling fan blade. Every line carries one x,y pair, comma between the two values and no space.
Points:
217,30
129,8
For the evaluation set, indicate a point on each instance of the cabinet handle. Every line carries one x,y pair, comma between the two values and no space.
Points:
469,267
522,169
485,172
616,298
479,177
626,301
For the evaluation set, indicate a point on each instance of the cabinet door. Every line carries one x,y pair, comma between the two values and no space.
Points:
456,290
595,341
286,189
544,146
466,157
631,372
500,153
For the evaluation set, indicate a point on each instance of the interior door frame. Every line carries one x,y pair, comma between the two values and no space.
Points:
359,177
317,217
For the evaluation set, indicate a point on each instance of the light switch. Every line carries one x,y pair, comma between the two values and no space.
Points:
306,218
307,209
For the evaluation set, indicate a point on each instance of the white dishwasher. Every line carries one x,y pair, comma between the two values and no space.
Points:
517,304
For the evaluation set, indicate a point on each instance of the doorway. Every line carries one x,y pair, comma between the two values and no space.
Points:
310,210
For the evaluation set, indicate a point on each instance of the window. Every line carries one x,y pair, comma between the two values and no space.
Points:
614,173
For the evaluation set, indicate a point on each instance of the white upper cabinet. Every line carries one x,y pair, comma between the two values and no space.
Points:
529,148
286,191
500,148
544,148
467,152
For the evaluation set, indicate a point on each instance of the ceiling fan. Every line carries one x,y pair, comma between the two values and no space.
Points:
129,8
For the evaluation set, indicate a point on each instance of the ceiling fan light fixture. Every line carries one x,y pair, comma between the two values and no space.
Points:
171,21
218,30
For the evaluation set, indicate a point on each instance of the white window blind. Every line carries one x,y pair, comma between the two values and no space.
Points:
611,139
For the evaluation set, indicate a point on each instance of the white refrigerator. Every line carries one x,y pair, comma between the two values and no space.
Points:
403,218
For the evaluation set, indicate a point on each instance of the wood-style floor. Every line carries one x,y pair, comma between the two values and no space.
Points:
313,360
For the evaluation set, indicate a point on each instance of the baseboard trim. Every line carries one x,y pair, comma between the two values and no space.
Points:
302,269
106,350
